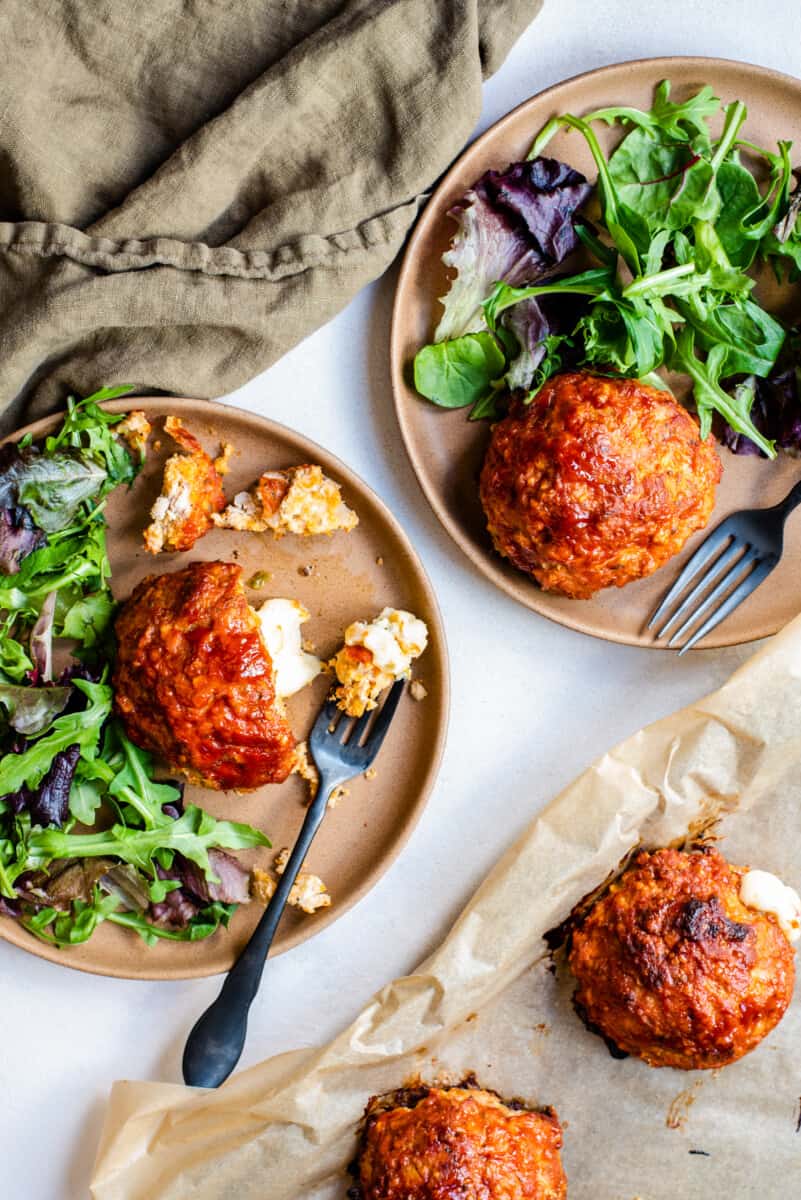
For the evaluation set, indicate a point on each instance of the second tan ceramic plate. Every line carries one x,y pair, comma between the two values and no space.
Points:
339,580
447,450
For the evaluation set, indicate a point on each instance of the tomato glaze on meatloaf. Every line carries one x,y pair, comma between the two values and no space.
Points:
193,680
440,1143
674,968
596,482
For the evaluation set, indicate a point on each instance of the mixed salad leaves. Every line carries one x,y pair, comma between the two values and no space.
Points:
681,219
87,833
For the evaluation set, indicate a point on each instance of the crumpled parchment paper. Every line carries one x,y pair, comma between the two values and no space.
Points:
489,1000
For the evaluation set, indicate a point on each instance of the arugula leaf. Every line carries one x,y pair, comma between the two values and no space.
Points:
86,795
193,834
134,784
206,922
709,395
88,429
784,240
758,223
74,926
457,373
628,229
750,337
588,283
714,269
683,122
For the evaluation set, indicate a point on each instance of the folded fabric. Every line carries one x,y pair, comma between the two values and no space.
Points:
188,187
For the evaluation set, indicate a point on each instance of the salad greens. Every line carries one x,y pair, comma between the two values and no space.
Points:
87,833
682,218
461,370
514,226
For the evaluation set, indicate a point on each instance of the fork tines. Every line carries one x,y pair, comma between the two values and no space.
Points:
724,570
355,741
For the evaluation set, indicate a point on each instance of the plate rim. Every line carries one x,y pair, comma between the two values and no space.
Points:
15,935
489,565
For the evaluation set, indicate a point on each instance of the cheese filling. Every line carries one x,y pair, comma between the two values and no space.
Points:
280,628
394,639
766,892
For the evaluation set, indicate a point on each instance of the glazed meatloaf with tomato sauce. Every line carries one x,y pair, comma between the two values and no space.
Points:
439,1143
673,967
194,682
596,482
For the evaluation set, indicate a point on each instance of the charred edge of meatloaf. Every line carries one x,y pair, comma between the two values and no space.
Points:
591,1027
561,935
413,1094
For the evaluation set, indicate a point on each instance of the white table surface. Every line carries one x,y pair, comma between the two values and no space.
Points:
552,702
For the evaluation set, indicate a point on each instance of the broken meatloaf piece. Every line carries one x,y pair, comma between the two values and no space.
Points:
191,491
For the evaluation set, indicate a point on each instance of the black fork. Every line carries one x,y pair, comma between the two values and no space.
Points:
215,1044
725,569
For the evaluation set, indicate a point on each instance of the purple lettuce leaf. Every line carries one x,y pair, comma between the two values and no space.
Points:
175,911
79,670
19,537
179,906
514,225
776,408
52,804
545,194
528,323
234,879
48,804
533,321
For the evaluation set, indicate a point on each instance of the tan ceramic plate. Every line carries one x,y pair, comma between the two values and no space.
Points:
447,450
353,575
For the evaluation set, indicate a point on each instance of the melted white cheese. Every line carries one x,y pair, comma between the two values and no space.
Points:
766,892
394,639
280,628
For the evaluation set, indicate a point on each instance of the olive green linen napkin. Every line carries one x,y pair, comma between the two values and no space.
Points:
189,187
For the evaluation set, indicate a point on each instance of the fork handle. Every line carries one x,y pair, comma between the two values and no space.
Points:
215,1043
791,500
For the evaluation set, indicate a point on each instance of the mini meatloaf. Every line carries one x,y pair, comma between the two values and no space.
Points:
434,1143
596,482
193,681
674,968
